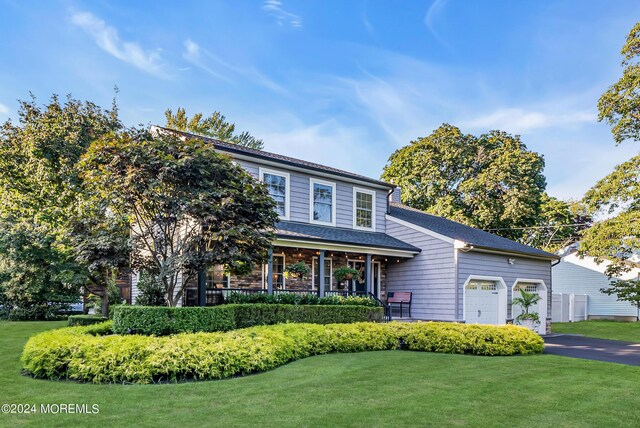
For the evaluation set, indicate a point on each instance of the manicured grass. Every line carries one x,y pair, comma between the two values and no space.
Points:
392,388
628,331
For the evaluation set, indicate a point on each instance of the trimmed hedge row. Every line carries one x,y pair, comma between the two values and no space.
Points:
299,299
73,353
75,320
161,320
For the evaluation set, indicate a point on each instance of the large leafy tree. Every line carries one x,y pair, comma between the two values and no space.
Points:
187,206
491,181
619,106
214,126
560,223
617,238
40,188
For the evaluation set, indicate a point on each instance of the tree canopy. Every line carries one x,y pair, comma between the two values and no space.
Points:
491,181
40,188
619,106
187,206
617,196
214,126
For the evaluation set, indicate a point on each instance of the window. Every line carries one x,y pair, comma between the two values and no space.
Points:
277,183
323,202
327,273
216,278
482,285
278,272
364,209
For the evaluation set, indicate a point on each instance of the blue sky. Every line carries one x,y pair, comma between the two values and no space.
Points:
343,83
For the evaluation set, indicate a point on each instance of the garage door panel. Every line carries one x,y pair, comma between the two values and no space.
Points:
482,303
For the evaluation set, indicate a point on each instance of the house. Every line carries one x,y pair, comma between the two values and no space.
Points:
331,218
583,275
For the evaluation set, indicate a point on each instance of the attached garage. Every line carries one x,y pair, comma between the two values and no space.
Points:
485,301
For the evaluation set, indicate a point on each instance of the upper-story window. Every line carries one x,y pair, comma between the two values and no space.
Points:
277,183
364,209
323,202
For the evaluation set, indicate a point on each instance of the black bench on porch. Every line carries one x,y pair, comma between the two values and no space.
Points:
401,298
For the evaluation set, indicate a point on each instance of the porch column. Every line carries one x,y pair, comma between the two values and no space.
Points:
321,274
270,272
202,288
367,270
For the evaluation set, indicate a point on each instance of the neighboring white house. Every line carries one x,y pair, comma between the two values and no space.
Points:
582,275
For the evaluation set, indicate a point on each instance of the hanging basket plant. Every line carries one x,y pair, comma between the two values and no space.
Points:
299,270
345,273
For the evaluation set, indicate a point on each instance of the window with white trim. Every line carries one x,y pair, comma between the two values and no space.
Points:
327,273
364,216
278,272
323,202
278,186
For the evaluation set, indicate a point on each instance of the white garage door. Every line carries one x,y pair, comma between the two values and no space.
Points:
481,302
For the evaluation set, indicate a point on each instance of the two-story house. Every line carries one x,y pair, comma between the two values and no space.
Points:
331,218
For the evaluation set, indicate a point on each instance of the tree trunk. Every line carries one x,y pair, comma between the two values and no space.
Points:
105,305
85,294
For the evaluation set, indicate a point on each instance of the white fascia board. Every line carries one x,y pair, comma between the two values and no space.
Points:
282,242
307,171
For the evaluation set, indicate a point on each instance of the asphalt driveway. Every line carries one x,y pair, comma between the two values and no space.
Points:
589,348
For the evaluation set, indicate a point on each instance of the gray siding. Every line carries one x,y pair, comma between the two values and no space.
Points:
430,275
300,200
571,278
485,264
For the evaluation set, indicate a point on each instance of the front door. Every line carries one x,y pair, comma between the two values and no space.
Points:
359,284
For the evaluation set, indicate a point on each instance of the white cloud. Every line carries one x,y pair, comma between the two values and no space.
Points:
107,38
430,17
519,120
329,142
222,70
274,8
4,109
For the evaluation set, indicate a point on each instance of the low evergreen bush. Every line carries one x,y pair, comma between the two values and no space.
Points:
75,320
161,321
79,353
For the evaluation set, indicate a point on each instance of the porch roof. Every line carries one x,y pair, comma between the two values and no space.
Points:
289,230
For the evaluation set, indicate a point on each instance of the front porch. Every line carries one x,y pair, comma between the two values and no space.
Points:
273,278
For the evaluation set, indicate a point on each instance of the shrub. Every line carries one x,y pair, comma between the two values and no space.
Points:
75,320
73,353
152,292
299,299
164,320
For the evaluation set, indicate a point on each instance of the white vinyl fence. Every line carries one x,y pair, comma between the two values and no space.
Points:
569,307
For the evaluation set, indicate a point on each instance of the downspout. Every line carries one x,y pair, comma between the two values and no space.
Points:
389,193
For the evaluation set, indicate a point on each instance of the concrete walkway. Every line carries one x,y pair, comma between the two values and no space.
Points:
589,348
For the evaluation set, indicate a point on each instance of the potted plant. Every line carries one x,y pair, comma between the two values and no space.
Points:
299,270
531,320
344,273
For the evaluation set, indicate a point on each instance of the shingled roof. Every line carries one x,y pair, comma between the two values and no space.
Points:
339,235
454,230
274,157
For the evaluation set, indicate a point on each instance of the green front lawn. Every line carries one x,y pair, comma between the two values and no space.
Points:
628,331
392,388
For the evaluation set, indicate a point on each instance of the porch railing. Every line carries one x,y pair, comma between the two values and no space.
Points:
216,296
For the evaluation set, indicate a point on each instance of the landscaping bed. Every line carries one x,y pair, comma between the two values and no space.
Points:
83,354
